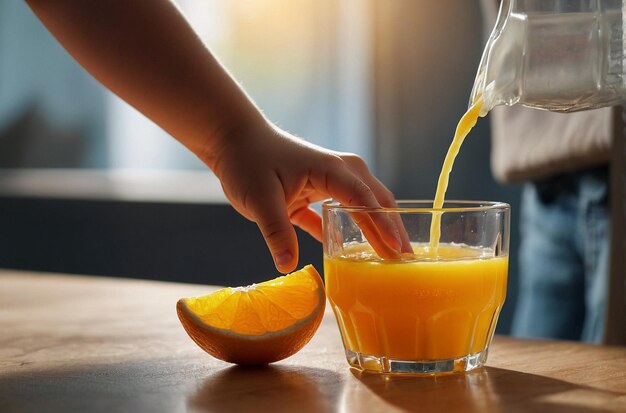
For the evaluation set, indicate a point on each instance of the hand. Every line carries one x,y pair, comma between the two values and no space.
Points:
269,176
272,177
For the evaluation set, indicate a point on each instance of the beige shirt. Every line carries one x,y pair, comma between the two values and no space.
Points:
530,144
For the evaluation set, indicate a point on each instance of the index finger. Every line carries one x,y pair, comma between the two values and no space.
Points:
348,189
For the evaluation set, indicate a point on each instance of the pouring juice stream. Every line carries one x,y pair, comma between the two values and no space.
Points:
465,125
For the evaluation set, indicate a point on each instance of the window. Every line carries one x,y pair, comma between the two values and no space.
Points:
305,63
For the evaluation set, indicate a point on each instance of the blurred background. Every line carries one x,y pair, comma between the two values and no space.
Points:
88,185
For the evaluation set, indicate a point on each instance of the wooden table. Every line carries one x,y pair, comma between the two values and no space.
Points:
89,344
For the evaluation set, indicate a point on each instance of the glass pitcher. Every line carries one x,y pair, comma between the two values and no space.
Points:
559,55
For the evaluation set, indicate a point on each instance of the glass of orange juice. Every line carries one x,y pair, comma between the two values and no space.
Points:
430,310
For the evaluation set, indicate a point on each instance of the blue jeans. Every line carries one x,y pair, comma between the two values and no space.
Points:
564,257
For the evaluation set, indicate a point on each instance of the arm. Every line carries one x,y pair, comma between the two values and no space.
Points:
146,53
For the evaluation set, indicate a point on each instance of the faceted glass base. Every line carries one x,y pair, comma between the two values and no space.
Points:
387,365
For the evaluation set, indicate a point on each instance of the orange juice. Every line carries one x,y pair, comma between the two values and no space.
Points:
465,125
419,309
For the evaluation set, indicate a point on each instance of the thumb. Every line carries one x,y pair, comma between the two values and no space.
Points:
270,214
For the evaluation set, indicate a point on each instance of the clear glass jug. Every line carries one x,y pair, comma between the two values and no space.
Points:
559,55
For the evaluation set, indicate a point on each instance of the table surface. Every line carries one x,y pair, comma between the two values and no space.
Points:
75,343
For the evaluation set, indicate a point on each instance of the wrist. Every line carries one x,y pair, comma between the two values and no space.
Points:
228,135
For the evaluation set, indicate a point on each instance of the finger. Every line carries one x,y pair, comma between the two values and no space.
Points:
270,213
384,196
386,199
347,188
371,232
353,191
309,220
404,235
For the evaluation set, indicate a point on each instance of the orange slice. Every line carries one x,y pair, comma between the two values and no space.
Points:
258,324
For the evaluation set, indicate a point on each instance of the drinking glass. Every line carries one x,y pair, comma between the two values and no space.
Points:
430,310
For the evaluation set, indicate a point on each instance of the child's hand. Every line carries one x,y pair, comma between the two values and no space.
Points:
271,178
